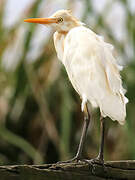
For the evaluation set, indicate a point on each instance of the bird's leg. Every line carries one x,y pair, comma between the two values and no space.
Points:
83,137
100,157
84,133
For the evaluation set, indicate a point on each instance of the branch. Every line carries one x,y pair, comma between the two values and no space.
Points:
115,170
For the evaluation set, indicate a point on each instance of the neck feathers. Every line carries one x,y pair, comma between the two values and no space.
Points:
59,38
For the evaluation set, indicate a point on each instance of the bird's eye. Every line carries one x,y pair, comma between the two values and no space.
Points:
60,20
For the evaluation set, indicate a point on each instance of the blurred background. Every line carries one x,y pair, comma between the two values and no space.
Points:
40,114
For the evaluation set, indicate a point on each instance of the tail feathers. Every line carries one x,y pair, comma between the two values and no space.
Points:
114,107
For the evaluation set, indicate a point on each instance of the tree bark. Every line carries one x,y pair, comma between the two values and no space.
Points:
113,170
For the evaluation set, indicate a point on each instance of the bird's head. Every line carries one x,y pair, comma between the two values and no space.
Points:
61,21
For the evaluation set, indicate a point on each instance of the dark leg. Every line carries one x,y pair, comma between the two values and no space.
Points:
84,134
101,148
100,157
83,138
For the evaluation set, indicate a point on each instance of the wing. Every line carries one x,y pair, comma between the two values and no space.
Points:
94,72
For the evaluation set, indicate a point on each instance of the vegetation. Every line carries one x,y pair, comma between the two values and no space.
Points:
40,115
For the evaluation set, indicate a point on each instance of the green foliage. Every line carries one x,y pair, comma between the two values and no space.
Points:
40,115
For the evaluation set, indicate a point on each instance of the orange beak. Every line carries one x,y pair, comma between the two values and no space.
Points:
42,20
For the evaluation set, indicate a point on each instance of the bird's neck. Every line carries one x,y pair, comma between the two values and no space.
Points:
62,32
59,38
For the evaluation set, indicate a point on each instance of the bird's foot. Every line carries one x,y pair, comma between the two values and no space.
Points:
96,160
76,159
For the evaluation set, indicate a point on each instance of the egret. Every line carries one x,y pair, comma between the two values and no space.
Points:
92,69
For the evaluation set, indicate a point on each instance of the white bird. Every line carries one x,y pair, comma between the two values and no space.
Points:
91,68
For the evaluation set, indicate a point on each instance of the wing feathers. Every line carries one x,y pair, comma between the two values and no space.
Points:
93,69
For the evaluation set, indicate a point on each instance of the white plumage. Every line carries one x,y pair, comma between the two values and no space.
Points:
90,65
93,71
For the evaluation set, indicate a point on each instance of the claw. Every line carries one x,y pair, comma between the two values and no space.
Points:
73,160
95,161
